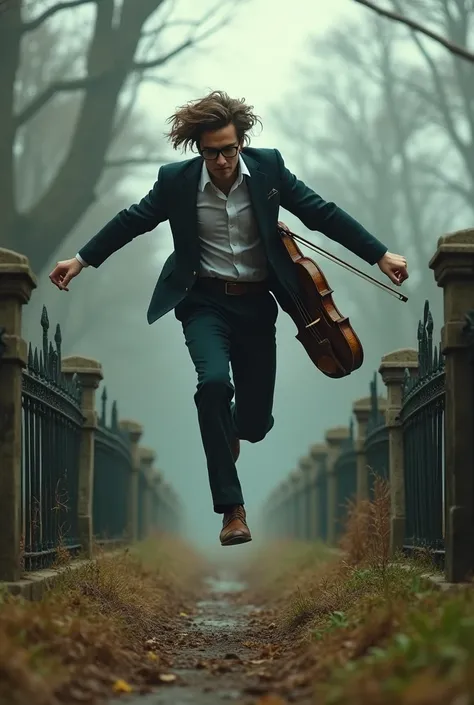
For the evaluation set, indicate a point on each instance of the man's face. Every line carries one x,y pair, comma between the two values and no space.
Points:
222,168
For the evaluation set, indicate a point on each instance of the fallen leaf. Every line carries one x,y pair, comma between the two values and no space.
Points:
258,661
183,614
152,656
150,642
167,677
122,686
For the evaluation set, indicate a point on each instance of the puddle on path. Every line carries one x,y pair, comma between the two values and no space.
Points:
216,635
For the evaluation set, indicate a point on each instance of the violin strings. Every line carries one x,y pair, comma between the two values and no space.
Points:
306,316
346,265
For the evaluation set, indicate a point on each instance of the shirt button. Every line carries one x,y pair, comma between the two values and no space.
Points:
194,274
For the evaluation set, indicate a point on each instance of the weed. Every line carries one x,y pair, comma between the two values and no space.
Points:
92,627
377,631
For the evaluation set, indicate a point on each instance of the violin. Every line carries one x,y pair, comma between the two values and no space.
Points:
327,336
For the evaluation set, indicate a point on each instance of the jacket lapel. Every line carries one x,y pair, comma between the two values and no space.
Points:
258,190
188,195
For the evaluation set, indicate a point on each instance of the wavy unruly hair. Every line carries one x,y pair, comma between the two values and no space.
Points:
212,112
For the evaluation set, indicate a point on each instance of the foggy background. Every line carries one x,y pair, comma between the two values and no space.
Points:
365,112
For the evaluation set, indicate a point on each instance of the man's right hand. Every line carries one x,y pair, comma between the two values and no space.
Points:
65,271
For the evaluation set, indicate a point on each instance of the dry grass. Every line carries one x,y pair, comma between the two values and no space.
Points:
362,629
99,624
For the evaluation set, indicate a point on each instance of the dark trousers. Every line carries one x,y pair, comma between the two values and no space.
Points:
223,331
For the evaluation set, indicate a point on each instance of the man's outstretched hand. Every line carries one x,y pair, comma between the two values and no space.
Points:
65,271
394,266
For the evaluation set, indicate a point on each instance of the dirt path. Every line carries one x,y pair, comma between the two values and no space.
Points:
219,655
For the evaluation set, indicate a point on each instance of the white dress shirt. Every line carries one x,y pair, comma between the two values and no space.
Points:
231,247
230,243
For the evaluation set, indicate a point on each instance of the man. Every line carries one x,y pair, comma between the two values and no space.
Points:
223,208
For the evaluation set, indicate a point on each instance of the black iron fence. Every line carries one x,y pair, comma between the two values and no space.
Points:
112,477
67,477
468,332
376,441
2,342
143,501
419,435
421,421
322,503
423,436
345,470
51,434
52,425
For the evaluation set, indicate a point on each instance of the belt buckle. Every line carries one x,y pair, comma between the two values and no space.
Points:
228,290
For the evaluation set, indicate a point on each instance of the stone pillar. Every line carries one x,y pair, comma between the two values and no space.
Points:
305,507
135,432
17,281
361,409
89,373
453,265
318,453
147,458
335,438
392,370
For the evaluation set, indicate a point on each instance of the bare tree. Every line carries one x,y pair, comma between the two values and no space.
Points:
446,87
456,49
100,61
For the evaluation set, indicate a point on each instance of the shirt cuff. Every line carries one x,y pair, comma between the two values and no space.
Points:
79,258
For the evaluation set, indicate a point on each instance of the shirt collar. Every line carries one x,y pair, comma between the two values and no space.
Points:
206,179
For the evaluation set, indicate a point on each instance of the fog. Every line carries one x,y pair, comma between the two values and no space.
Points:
284,59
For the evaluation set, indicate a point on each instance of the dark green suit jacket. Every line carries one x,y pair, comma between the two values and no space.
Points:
271,186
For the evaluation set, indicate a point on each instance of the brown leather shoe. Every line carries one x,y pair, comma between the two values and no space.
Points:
234,527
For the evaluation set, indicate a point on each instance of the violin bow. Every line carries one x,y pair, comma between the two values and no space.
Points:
346,265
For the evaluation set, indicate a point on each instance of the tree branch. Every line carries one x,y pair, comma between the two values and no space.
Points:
40,100
167,82
417,27
449,183
442,95
191,41
37,21
85,82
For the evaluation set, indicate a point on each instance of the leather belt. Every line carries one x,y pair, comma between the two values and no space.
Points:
233,288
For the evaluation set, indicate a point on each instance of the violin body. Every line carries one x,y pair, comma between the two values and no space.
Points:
326,335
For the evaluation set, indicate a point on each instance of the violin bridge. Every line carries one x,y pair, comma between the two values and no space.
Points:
313,323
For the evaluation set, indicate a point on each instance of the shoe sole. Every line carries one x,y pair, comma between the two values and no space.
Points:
236,540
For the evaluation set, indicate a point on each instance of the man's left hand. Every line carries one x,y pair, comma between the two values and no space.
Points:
283,226
394,266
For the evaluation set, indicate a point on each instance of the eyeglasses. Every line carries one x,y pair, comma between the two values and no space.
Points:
210,153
